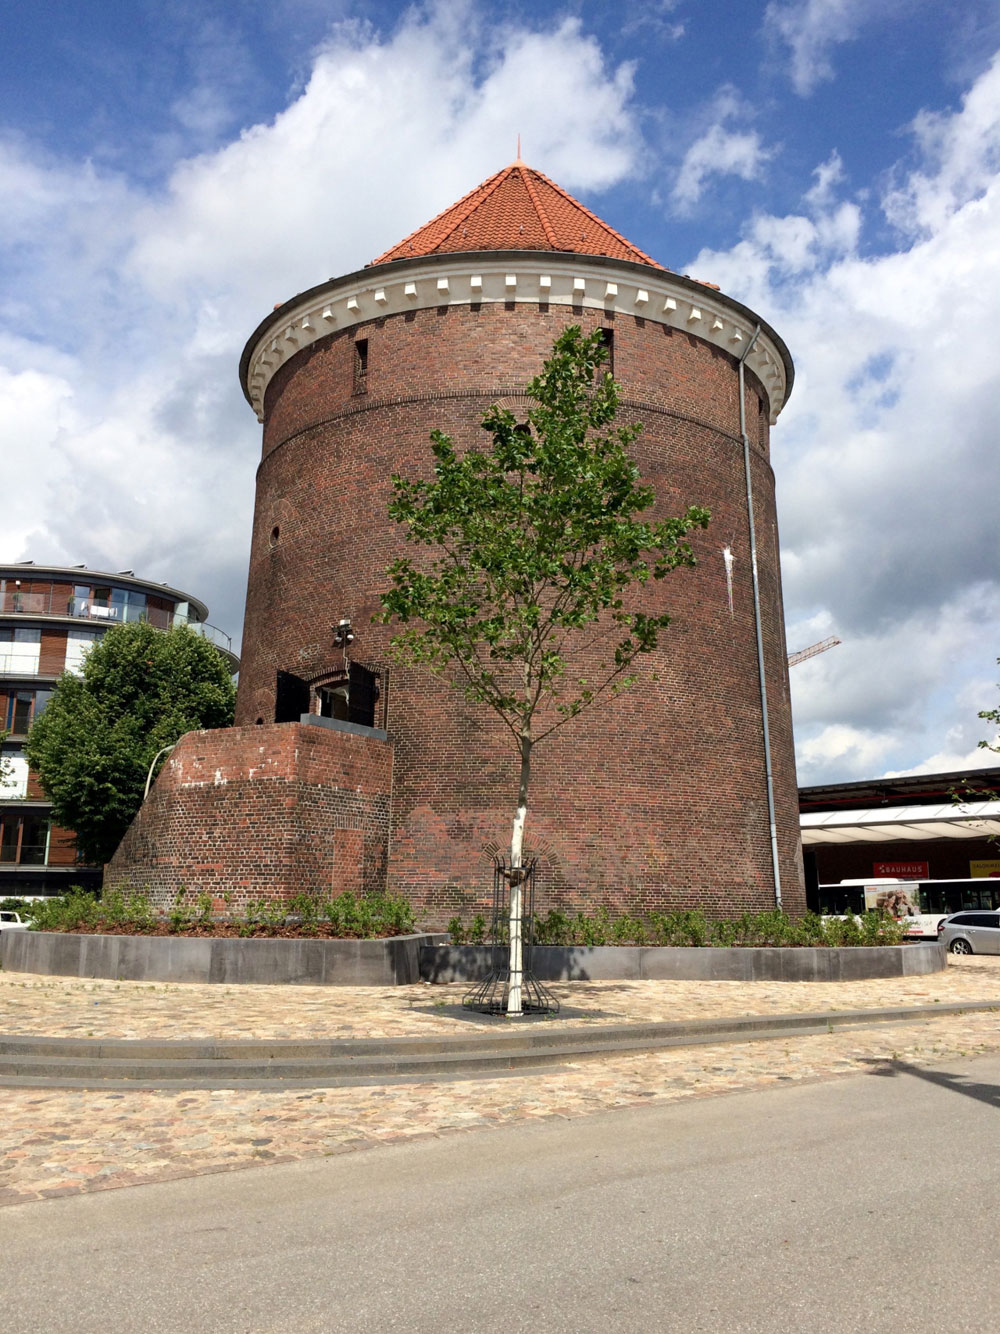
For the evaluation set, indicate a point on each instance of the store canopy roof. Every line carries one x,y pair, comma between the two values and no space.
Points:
893,824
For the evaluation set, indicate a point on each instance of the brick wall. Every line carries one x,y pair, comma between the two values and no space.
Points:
656,800
262,811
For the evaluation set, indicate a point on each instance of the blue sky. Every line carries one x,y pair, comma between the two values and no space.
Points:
171,170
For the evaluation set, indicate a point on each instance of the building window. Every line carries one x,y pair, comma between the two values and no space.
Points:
24,839
608,339
333,701
14,778
353,696
20,708
360,365
78,645
20,651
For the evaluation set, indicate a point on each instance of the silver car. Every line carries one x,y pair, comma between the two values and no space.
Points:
971,932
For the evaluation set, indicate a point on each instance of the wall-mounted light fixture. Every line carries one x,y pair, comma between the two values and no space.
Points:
343,634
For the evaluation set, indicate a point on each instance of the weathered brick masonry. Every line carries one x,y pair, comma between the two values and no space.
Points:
655,800
251,812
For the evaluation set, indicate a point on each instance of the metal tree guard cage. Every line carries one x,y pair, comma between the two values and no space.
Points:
491,994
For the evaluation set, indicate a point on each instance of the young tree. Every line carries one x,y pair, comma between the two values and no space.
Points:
140,690
534,540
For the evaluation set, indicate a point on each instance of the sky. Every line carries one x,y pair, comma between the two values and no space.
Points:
170,170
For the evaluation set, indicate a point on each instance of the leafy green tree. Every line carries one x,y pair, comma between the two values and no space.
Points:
991,716
140,690
535,550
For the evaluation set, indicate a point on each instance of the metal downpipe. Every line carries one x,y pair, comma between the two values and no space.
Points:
768,774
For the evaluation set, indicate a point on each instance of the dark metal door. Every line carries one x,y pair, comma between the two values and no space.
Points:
291,698
363,694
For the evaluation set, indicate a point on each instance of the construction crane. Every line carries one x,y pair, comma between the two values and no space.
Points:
795,658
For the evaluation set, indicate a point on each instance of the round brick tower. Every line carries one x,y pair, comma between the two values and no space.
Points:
656,800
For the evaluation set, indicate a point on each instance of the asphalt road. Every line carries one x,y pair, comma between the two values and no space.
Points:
866,1203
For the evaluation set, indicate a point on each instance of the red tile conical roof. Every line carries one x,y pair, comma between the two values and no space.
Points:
517,209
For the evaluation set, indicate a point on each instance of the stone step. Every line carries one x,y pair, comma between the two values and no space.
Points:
89,1062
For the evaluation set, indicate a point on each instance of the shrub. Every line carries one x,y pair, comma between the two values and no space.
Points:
690,927
456,930
131,907
72,910
478,932
307,908
555,928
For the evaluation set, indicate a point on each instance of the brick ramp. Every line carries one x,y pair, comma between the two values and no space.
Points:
325,1063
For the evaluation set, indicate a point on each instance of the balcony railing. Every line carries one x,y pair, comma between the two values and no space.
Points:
29,854
105,613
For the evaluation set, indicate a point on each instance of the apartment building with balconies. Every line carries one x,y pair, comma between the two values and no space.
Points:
49,617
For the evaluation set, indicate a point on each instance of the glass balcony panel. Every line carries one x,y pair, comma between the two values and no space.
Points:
101,604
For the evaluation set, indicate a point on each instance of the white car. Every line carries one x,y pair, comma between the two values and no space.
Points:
12,921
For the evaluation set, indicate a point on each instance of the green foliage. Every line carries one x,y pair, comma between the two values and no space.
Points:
456,930
188,909
140,690
687,926
307,908
126,908
370,915
691,928
263,916
991,716
476,934
531,542
69,912
347,915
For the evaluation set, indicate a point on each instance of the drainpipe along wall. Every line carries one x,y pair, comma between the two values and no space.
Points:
769,777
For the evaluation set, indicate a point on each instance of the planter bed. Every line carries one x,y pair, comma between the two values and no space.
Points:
398,960
580,963
305,961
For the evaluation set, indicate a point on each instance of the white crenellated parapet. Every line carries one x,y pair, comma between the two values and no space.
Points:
550,278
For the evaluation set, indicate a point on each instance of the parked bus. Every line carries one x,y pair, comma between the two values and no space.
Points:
920,904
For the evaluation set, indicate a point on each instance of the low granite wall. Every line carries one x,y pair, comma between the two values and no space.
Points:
406,959
573,963
350,963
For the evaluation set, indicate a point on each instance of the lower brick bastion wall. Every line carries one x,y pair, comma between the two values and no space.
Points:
262,811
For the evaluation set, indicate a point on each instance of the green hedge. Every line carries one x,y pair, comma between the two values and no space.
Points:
347,916
693,928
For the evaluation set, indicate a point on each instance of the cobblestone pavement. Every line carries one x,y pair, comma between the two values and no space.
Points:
59,1142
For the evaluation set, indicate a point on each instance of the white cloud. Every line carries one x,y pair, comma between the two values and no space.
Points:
885,458
384,135
828,175
962,156
719,151
124,309
653,17
838,745
811,29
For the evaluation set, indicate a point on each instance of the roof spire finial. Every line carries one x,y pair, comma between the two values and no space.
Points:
518,158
